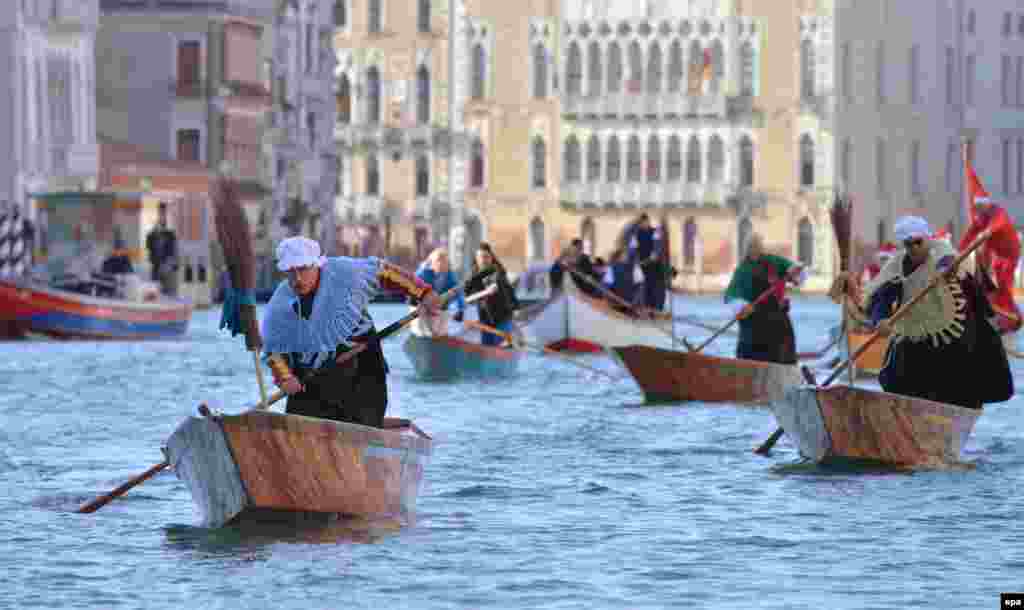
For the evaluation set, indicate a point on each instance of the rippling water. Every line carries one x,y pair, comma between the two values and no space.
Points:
558,489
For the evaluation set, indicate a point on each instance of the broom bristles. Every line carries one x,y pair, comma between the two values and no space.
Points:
841,215
236,242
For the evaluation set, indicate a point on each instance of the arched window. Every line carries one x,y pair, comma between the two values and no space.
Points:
716,160
340,14
880,167
693,165
594,67
344,100
636,68
634,168
614,68
743,232
537,239
479,73
805,243
696,67
372,175
690,242
970,79
806,69
971,21
423,19
423,96
653,159
675,67
746,161
540,72
915,166
539,154
574,70
717,67
422,176
572,161
373,95
476,165
846,163
613,166
374,17
588,233
806,161
675,159
593,159
654,69
747,69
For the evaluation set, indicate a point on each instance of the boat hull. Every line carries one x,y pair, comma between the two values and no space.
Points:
574,321
673,376
444,358
31,308
845,423
262,461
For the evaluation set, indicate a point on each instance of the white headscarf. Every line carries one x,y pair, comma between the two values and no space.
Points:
298,251
911,227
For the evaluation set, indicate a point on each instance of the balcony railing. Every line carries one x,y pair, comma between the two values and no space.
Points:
401,140
646,194
645,105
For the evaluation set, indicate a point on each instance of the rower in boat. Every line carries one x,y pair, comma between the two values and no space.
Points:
317,315
766,331
619,280
997,260
436,272
573,259
496,308
944,349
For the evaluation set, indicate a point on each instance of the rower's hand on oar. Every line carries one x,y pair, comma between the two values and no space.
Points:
745,312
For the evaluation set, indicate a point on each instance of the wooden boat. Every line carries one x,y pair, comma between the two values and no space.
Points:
446,357
672,375
847,423
28,306
262,462
574,321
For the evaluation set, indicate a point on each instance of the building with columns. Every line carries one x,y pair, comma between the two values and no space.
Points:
48,118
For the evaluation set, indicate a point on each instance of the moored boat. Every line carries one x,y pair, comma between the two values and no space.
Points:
31,307
848,423
574,321
445,357
671,375
259,462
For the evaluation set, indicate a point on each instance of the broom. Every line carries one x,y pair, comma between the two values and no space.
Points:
239,311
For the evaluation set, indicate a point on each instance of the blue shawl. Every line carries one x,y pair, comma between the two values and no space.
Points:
346,287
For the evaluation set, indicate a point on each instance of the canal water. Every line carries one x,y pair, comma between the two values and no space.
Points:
557,489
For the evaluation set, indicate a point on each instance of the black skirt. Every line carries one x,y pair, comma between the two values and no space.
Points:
767,335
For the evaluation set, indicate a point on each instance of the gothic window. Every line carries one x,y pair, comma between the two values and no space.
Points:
716,160
479,73
747,69
373,95
915,75
693,165
746,161
880,167
594,67
690,242
636,68
593,159
654,69
675,159
971,21
653,159
614,68
476,169
423,96
374,16
807,69
422,176
574,70
372,175
613,166
633,165
806,161
717,66
540,72
340,14
846,163
344,100
572,159
423,18
915,167
539,153
675,67
805,243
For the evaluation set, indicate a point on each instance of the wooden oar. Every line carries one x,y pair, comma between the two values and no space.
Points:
763,296
766,446
103,500
541,348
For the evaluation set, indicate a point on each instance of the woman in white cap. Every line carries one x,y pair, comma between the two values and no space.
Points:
944,348
317,315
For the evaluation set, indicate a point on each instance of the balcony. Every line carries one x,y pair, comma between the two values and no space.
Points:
403,141
655,105
646,194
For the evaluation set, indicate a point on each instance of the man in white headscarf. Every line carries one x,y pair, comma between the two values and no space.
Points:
319,313
944,348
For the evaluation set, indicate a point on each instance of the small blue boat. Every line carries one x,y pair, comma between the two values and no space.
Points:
444,358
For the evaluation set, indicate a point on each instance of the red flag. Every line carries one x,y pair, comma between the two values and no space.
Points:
976,193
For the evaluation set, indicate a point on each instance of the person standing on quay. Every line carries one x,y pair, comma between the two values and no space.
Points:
162,245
